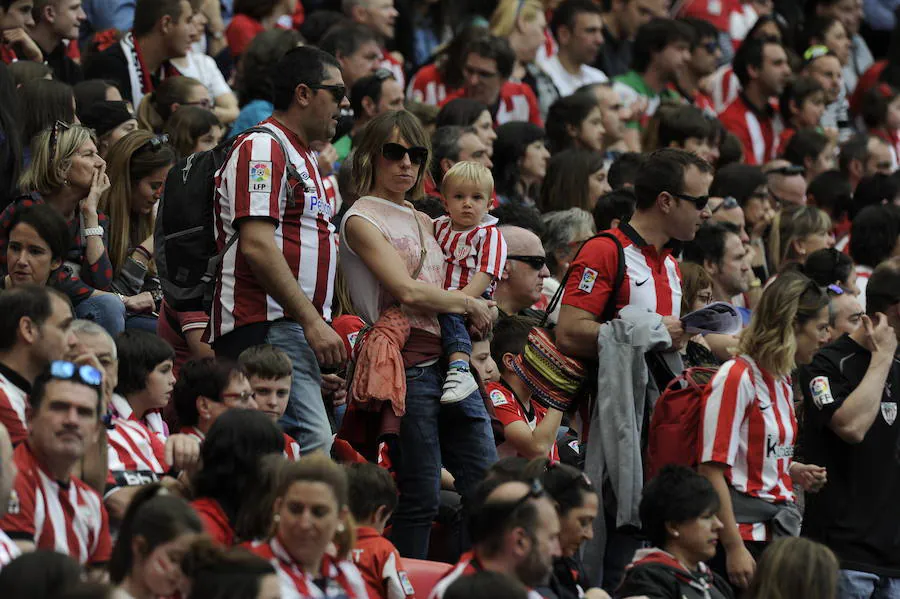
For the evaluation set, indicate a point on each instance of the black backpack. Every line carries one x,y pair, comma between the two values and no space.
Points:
184,242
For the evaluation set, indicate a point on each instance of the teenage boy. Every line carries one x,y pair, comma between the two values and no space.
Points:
373,498
269,371
528,427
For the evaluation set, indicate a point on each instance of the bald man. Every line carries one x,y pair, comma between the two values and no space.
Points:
523,275
8,548
516,533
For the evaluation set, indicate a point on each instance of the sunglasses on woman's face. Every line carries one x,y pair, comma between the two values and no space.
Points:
418,155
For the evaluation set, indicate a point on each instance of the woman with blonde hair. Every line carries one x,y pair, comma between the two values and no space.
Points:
138,166
389,252
310,516
68,173
795,568
749,428
796,233
158,106
524,24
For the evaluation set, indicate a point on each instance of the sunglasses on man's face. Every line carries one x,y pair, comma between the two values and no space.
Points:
535,262
699,202
394,152
338,92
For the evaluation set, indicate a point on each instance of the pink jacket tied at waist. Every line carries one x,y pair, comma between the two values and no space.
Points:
379,374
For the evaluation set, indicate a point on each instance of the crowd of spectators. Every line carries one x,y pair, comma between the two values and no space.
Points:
385,298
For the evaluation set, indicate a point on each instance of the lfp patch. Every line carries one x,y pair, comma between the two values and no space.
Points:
587,280
261,176
820,389
497,398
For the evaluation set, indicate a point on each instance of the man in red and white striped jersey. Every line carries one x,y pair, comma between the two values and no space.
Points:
671,191
379,16
34,330
515,532
276,283
50,508
763,70
486,69
8,548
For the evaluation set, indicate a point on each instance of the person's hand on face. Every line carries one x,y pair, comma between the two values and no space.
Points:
99,185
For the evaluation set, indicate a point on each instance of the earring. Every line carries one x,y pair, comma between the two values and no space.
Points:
340,527
276,518
676,534
66,182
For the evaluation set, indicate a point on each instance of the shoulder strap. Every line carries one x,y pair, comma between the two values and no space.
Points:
609,311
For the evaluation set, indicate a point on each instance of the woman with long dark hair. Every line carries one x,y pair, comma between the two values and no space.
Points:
520,162
10,142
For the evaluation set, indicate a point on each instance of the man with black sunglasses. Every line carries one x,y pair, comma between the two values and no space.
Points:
51,509
522,280
705,56
850,427
276,284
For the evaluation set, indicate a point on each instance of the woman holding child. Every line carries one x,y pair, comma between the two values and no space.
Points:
389,249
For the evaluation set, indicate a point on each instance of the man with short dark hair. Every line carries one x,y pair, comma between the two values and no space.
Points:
718,249
706,53
687,128
661,49
850,427
370,96
863,156
671,195
34,331
356,48
449,145
514,532
763,69
578,30
140,61
55,23
824,66
621,21
487,67
380,16
54,510
276,285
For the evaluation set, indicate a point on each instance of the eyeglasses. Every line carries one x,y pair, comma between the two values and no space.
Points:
535,491
710,47
204,103
338,92
787,171
57,128
535,262
155,143
382,75
728,203
243,396
418,155
699,202
580,478
834,289
67,371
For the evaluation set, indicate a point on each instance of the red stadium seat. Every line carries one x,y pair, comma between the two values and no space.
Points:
423,575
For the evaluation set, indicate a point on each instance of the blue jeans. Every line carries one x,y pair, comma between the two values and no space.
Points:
142,322
305,418
106,309
854,584
456,436
454,335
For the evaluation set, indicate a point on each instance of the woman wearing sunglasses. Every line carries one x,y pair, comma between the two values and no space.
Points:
389,252
138,166
749,429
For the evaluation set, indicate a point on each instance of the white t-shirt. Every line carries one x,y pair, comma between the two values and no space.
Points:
204,69
566,82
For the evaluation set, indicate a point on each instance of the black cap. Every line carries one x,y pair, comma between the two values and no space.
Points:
105,116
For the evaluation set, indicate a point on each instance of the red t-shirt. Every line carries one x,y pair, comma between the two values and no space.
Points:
517,102
427,86
240,32
381,566
508,410
215,521
758,132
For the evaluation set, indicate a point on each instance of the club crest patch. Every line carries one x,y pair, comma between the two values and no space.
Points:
587,280
461,252
820,389
261,176
497,398
889,411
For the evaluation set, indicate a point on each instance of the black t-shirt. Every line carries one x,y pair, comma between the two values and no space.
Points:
111,66
857,513
64,68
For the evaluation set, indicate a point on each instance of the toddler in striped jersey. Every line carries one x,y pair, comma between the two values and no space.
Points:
475,253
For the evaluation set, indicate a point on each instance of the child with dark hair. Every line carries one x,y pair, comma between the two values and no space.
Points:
270,373
623,172
811,150
613,209
678,514
802,105
193,129
372,500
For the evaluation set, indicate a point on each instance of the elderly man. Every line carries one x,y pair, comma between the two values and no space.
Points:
522,280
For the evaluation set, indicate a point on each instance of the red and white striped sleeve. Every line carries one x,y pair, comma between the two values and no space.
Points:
258,166
492,252
725,402
20,520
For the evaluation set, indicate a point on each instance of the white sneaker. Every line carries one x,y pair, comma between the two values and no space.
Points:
458,385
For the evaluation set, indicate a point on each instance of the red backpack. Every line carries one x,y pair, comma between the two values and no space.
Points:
674,436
